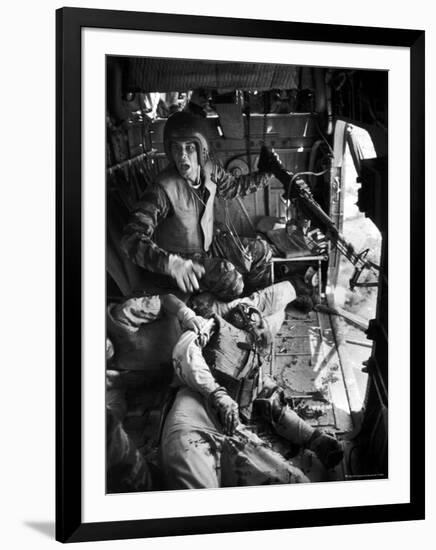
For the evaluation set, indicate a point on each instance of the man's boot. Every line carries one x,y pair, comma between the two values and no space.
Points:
326,447
272,406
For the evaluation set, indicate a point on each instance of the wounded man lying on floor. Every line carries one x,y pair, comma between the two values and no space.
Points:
141,333
205,443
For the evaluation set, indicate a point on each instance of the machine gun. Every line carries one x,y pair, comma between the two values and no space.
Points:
296,188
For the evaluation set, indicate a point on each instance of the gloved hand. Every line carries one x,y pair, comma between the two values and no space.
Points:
270,163
185,272
227,409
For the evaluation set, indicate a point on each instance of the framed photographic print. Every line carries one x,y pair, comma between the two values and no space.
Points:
240,230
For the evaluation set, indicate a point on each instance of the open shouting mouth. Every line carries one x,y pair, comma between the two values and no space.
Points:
184,167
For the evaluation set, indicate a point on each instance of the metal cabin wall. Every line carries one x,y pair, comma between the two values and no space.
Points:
291,136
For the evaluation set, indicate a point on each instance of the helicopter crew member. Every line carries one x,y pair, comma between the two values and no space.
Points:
171,230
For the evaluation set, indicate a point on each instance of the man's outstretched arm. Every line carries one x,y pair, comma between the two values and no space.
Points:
192,370
230,186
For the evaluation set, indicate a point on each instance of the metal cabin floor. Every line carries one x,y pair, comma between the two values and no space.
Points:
307,366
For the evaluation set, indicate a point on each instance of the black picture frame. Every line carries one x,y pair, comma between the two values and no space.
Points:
69,525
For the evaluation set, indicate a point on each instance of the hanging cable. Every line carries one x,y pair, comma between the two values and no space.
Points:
323,137
316,174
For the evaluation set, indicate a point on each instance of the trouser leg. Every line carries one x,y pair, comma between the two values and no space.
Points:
325,445
274,298
195,454
292,427
191,444
271,406
269,301
247,461
191,460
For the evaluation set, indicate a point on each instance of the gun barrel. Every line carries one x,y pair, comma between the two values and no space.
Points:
339,241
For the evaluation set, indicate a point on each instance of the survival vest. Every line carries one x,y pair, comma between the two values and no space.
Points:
190,229
233,361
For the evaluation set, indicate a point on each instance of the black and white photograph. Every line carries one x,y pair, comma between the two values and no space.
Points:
217,314
246,274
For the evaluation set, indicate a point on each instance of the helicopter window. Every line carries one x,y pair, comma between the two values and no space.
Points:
361,232
355,294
